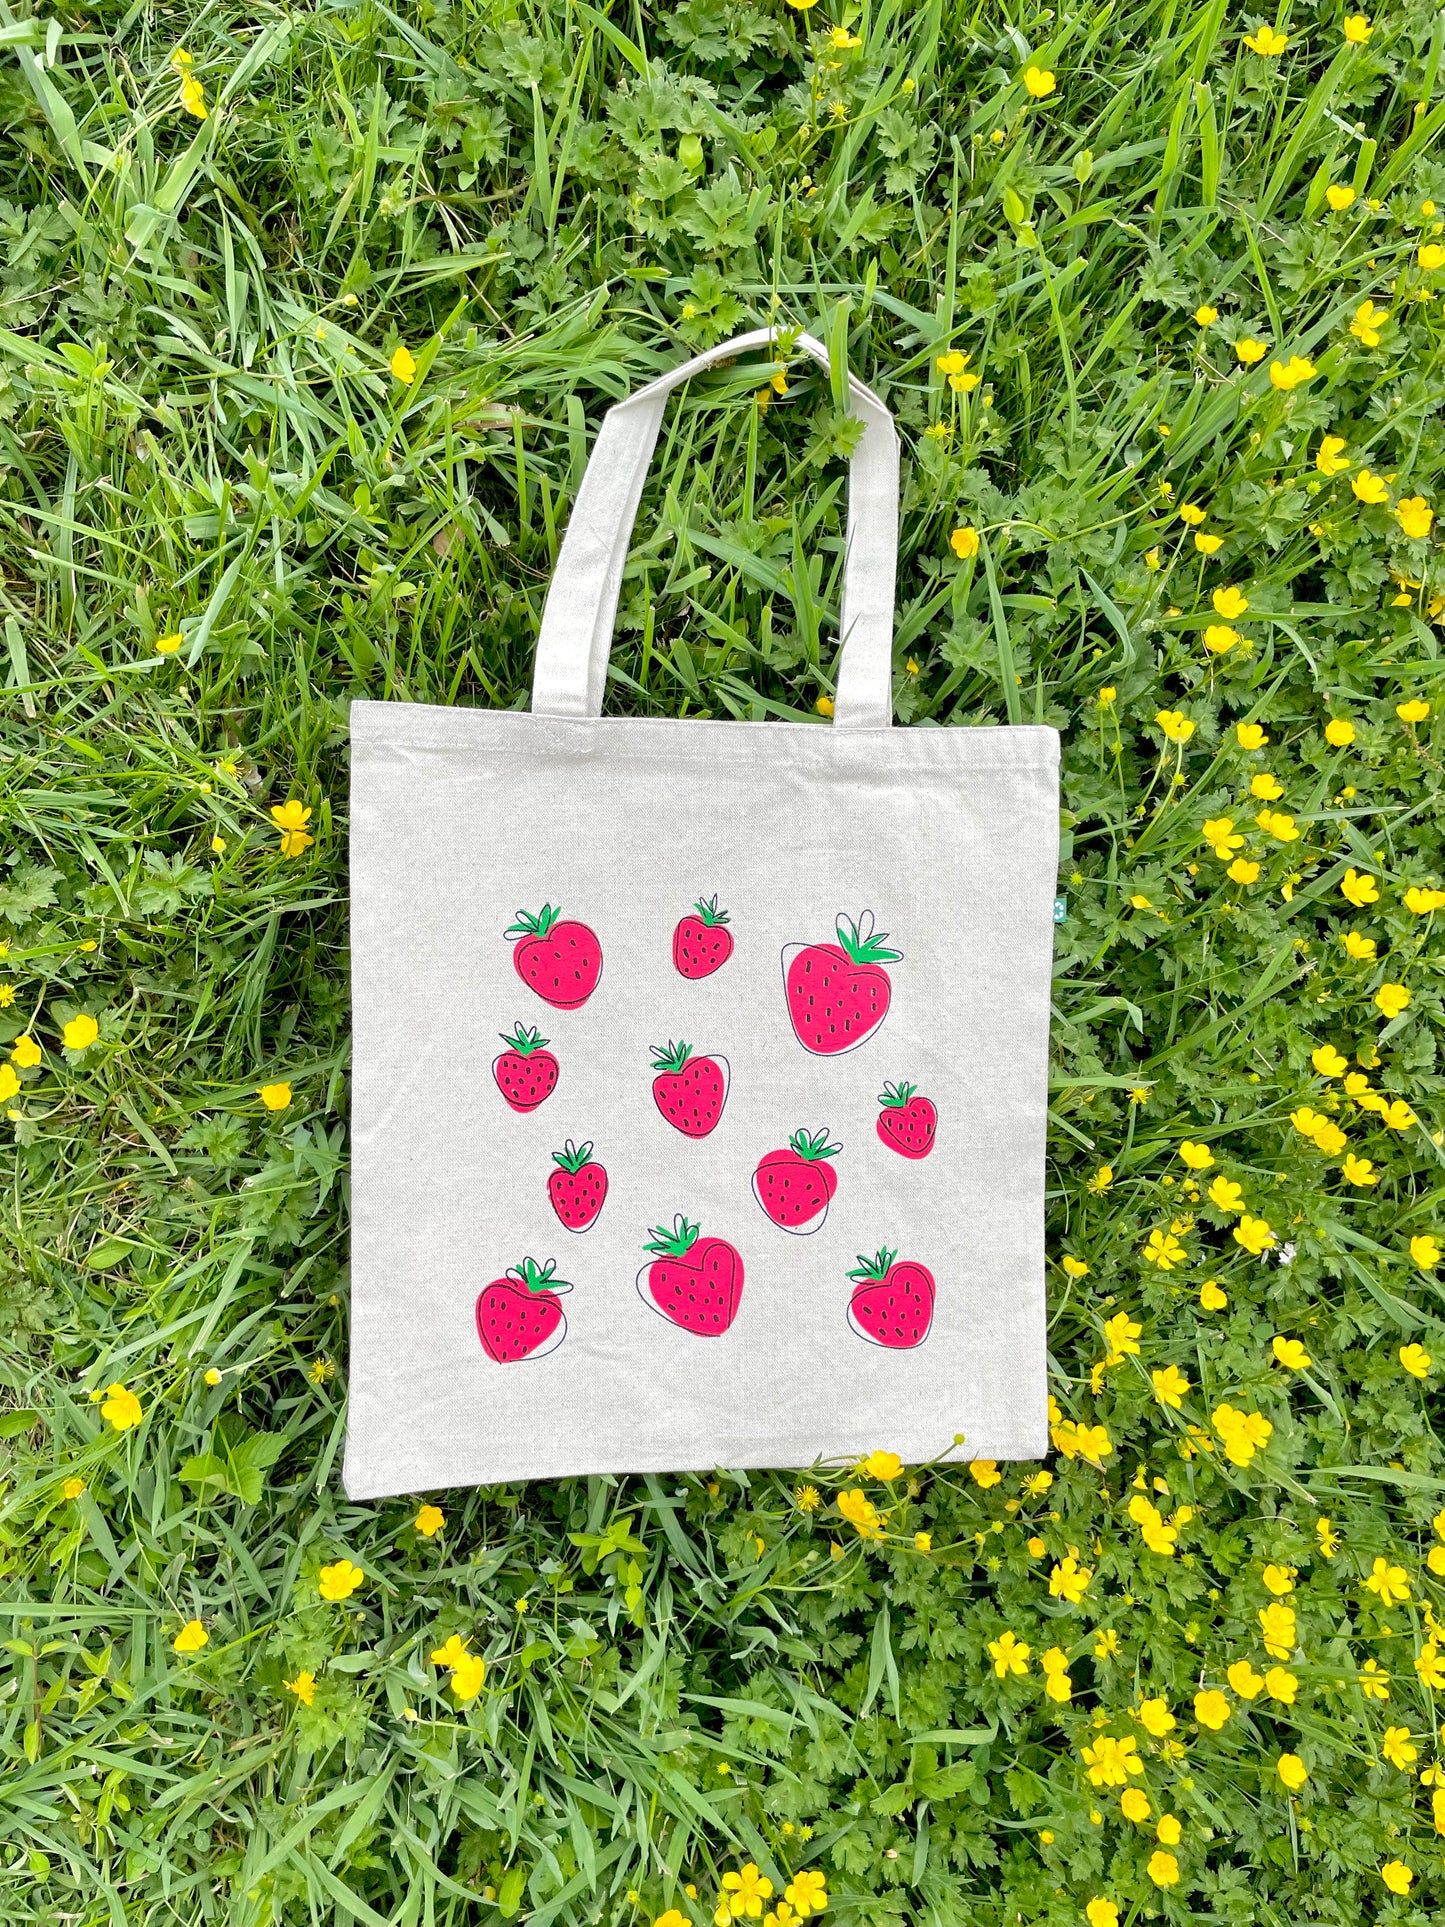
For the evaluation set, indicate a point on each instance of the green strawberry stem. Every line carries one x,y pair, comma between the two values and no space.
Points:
524,1041
877,1268
814,1146
894,1097
675,1243
709,912
538,1277
671,1059
530,926
860,942
570,1158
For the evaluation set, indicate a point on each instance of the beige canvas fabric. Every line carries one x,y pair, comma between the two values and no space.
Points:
793,983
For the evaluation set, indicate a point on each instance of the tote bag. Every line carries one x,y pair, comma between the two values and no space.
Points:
699,1066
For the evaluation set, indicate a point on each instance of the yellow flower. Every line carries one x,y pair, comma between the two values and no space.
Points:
213,1377
1219,833
1198,1157
1075,1267
339,1581
1110,1761
303,1686
1368,322
881,1465
1134,1804
1281,1686
1231,603
1292,1770
1169,1831
121,1408
1121,1334
1277,824
468,1676
1339,196
861,1513
1055,1666
1391,999
1253,1234
1422,902
1396,1748
807,1498
1425,1251
1243,1433
1389,1582
923,1542
1154,1716
1211,1708
674,1917
1416,1360
1278,1626
1431,256
1250,351
1328,1061
964,542
1429,1666
1278,1580
291,819
1170,1385
1039,81
1437,1808
403,365
1009,1655
429,1521
1357,29
1329,1539
1191,513
824,705
1211,1297
1101,1180
744,1893
1164,1250
193,97
1332,459
1268,42
1226,1196
1414,711
80,1033
1290,374
1069,1580
191,1638
843,40
26,1053
1219,638
1398,1116
1397,1876
807,1891
276,1097
1375,1682
1266,787
1244,1680
1370,488
1101,1913
985,1473
1205,315
168,645
1153,559
1175,725
1250,736
73,1488
1291,1354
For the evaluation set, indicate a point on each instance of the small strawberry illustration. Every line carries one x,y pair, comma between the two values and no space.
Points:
691,1091
520,1315
695,1282
578,1189
892,1304
558,957
838,993
907,1124
702,943
526,1073
795,1186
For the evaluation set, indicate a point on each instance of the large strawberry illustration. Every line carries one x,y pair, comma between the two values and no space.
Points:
578,1188
795,1186
907,1124
520,1315
526,1072
702,943
558,957
892,1304
696,1282
838,993
690,1091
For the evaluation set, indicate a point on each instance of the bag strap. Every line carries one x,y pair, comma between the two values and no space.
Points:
576,635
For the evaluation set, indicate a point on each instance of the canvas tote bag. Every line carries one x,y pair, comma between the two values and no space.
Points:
700,1066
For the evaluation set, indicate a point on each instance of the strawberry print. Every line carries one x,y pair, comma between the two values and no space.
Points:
690,1091
520,1315
578,1188
702,943
557,957
695,1282
892,1304
907,1124
838,993
795,1186
525,1071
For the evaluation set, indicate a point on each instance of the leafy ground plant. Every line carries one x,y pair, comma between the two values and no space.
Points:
307,317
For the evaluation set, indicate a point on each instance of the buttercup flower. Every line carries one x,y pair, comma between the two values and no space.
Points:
1369,489
276,1097
1340,196
964,542
1415,516
881,1465
1367,324
1397,1876
403,365
1431,256
1055,1667
1225,1195
1291,1354
1331,458
1009,1655
291,819
859,1510
1397,1749
303,1686
1244,1680
80,1033
1422,903
1357,29
1164,1250
1243,1433
1292,1770
26,1053
339,1581
1253,1234
1211,1709
1359,1170
1389,1583
1069,1580
1392,999
1230,602
985,1473
1198,1157
1175,725
121,1408
1134,1804
1075,1267
807,1892
1425,1251
1154,1716
1278,1627
1170,1385
1219,638
1250,351
73,1488
1413,711
1211,1297
1250,736
1110,1761
191,1638
1362,949
1281,1686
1267,42
1101,1913
429,1521
1205,315
1288,375
1416,1360
1359,888
1039,82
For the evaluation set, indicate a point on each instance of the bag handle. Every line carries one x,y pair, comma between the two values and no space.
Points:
576,635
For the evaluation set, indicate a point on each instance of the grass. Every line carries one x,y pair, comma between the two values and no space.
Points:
201,438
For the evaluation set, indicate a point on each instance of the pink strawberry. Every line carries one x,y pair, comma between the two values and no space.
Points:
703,943
892,1304
691,1091
838,993
696,1282
560,959
520,1315
906,1123
578,1189
796,1186
526,1074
